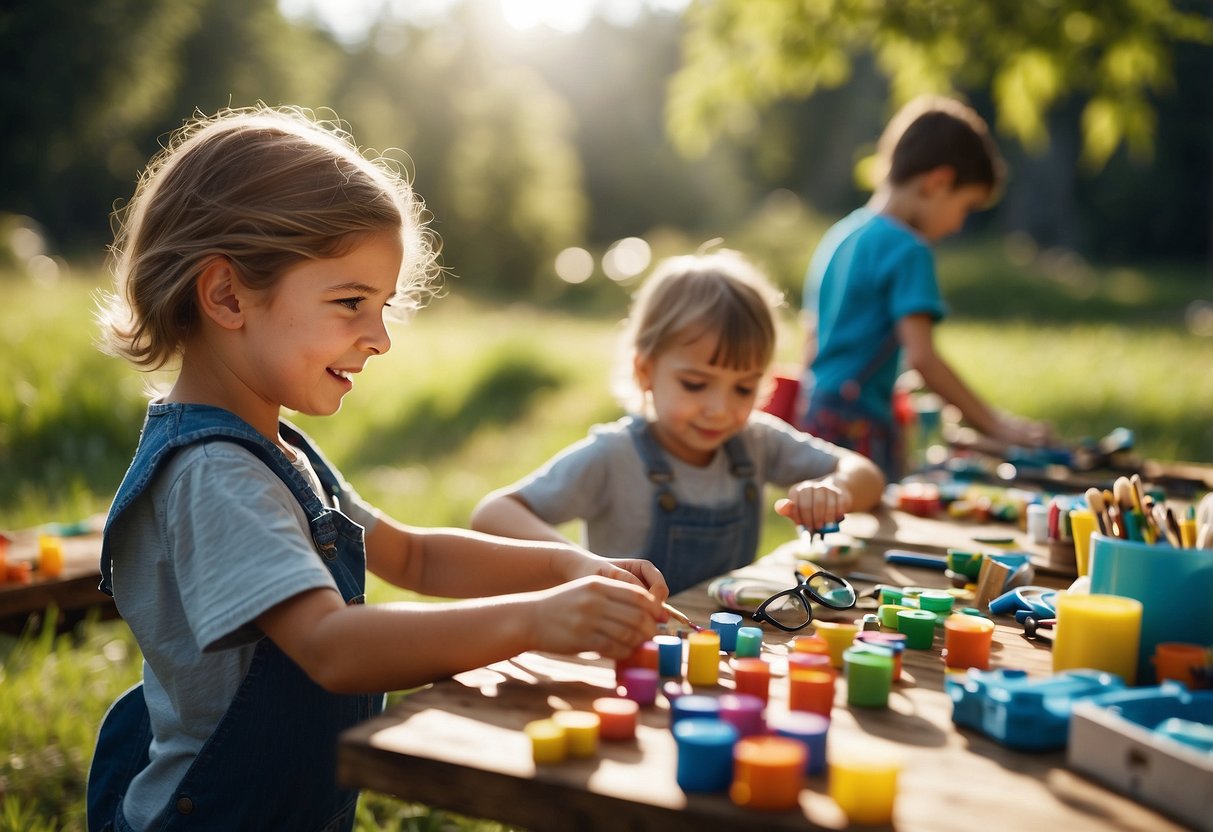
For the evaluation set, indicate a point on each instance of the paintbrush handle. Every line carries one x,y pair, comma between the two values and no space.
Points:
1165,528
680,616
1100,510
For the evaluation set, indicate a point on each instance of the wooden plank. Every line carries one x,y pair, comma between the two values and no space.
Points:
892,528
459,744
75,589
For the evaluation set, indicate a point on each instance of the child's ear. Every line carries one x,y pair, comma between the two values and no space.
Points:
642,371
218,294
938,180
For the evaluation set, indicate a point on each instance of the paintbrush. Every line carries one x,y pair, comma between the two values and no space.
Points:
1122,493
1130,518
1153,531
1139,492
1096,503
1173,527
1169,528
1144,505
681,617
1116,522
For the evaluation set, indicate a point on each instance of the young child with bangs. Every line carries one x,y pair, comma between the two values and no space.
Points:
260,257
679,481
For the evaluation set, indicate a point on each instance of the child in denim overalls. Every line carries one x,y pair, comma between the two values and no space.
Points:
260,255
680,481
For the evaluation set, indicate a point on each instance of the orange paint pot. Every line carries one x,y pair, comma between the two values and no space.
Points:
810,644
966,641
768,773
1179,661
753,677
616,717
811,690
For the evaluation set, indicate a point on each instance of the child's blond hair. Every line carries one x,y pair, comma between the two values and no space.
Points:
687,297
265,188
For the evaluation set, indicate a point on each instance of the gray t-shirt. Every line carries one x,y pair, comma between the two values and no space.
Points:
215,540
602,481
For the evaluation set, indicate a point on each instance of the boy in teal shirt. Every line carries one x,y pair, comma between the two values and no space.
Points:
871,294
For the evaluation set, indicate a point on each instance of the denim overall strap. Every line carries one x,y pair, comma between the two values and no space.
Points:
690,543
271,761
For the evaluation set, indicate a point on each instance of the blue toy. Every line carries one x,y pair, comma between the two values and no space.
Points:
1039,601
1022,713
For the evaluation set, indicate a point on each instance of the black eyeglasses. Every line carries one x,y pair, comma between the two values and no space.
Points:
792,610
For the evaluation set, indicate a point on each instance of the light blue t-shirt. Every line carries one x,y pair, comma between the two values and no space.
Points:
868,272
602,480
215,540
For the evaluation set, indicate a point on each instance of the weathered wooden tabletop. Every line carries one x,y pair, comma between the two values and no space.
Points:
459,745
75,589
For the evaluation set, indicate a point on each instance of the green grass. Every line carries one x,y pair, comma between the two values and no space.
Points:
472,397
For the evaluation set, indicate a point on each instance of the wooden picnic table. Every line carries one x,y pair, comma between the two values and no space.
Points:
459,744
73,591
894,529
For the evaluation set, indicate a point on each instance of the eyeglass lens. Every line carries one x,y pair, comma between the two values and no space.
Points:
789,610
830,591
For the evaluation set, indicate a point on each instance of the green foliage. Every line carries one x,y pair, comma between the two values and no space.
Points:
741,55
72,70
53,691
69,415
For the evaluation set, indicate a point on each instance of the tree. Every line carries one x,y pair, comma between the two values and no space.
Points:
740,56
77,79
490,142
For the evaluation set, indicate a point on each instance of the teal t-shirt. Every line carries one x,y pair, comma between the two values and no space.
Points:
868,272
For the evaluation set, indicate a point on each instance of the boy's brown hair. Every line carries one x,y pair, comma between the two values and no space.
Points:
932,132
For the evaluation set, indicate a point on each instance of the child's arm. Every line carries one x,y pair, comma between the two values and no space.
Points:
365,648
505,513
916,335
454,563
856,485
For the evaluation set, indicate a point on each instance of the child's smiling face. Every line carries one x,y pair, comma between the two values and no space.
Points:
698,405
309,334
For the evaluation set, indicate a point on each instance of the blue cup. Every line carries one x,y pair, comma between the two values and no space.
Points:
705,754
1175,587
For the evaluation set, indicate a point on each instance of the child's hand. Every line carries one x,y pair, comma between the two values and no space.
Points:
609,617
815,503
1023,432
640,570
636,571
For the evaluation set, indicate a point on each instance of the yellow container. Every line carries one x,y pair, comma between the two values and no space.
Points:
580,731
703,657
549,741
839,635
864,785
1100,632
1082,524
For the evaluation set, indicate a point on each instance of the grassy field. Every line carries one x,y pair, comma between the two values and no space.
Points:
473,396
